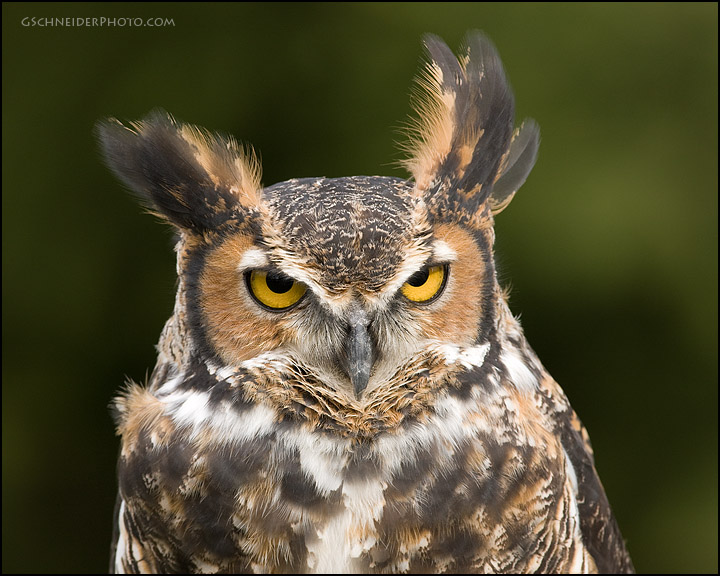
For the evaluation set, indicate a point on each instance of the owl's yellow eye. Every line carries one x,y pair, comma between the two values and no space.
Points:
273,290
425,285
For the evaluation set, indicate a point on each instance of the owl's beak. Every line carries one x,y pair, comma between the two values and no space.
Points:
359,351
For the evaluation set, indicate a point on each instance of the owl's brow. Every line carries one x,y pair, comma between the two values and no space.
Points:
253,258
442,253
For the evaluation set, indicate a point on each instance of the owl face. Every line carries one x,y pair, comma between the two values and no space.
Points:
346,276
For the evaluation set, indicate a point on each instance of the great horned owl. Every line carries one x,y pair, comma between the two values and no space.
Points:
342,387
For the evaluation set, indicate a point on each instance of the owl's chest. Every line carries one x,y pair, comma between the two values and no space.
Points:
239,491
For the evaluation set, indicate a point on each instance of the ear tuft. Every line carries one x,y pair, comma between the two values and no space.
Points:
460,145
194,179
516,165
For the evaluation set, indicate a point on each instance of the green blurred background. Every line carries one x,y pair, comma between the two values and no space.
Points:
610,247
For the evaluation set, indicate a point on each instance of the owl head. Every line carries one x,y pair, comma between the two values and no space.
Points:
349,284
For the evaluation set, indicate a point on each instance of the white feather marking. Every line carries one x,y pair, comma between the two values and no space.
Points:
469,357
474,356
253,258
342,541
450,423
570,471
226,372
336,546
228,424
580,558
121,544
169,385
447,428
190,410
322,459
276,360
364,498
520,375
328,553
442,252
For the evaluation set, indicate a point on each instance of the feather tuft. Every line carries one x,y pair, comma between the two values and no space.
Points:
195,179
461,144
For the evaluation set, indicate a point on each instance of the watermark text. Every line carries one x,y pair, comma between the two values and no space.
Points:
97,22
